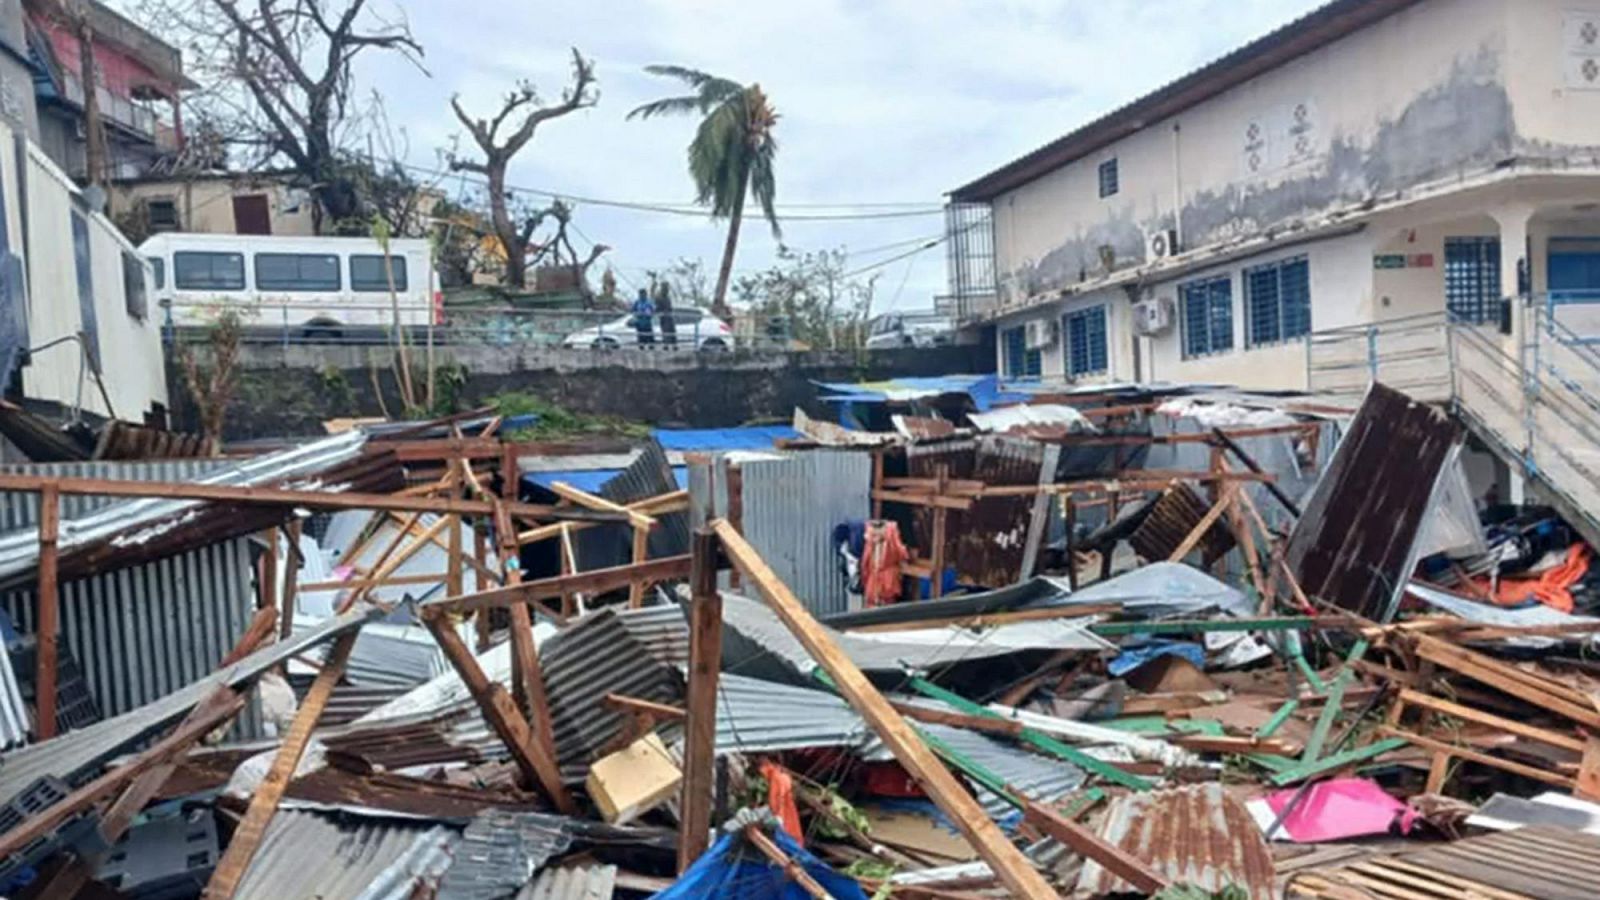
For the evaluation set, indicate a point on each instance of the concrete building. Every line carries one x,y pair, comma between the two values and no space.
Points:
1373,160
213,203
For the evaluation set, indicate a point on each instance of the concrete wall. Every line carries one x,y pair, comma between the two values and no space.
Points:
1418,97
291,391
17,106
206,205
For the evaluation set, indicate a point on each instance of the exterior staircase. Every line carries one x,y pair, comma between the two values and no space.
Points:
1534,400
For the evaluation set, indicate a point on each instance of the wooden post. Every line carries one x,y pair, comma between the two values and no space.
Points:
480,552
1009,865
735,515
641,553
705,665
1069,513
48,630
940,532
502,715
455,583
264,802
291,579
569,565
1089,845
877,483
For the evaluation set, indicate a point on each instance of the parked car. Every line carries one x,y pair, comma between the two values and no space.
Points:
695,328
909,330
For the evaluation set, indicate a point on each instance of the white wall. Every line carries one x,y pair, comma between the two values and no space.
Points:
130,349
1415,98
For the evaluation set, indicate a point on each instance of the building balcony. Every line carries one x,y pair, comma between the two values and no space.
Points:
129,115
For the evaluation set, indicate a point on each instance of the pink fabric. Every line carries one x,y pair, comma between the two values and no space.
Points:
1340,808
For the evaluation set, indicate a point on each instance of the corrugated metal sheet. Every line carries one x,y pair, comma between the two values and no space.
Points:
595,882
143,632
986,543
308,854
21,510
1170,520
71,755
1195,835
500,851
649,475
138,521
790,507
663,630
1039,777
756,716
13,714
1355,543
588,659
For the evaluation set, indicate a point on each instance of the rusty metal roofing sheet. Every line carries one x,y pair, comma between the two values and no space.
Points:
593,882
986,543
308,854
1196,835
1355,543
1169,522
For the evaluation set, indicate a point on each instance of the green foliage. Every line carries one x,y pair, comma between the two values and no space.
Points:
875,869
336,386
813,293
1190,892
555,422
842,811
448,381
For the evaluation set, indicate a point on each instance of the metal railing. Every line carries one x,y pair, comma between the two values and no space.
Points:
324,323
1536,399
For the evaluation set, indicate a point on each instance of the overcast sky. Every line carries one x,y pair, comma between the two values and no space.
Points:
882,101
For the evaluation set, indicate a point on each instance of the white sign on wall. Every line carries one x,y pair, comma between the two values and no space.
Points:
1580,39
1281,138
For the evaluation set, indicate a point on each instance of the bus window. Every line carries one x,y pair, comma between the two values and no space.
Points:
158,267
196,271
297,272
367,274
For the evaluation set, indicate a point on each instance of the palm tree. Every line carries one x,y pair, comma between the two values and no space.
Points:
730,156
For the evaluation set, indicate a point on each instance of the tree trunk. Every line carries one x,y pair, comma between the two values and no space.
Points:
506,230
719,300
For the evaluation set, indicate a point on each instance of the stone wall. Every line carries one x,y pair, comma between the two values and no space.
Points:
291,390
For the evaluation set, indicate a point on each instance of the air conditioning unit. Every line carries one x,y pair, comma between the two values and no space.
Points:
1153,316
1160,244
1041,333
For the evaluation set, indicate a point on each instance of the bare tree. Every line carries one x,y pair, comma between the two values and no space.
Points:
279,73
211,383
498,150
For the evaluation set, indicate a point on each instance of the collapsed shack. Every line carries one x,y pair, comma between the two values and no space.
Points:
1171,641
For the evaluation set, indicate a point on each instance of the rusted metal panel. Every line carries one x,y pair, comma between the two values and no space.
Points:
1171,518
1195,835
986,543
1537,861
1355,543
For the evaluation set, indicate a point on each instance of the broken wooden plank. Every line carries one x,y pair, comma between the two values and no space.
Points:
1008,863
1089,845
594,581
52,817
494,701
48,631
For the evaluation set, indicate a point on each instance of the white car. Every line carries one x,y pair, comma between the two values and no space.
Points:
909,330
695,328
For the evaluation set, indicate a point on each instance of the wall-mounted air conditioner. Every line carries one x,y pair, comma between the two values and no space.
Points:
1041,333
1160,244
1153,316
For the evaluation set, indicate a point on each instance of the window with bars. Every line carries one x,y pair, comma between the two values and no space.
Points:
1108,177
1277,300
1020,362
1085,332
1472,277
1206,316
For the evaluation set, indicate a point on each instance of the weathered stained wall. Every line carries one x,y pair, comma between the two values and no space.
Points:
1421,96
291,391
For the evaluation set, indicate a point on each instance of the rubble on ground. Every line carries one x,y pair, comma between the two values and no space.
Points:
968,640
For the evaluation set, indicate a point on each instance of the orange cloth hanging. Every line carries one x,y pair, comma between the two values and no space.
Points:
1551,587
882,553
780,798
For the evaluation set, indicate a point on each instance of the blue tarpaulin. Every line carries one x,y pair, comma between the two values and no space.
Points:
1133,657
732,870
746,437
985,390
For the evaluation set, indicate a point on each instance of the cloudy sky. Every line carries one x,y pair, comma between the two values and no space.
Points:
882,102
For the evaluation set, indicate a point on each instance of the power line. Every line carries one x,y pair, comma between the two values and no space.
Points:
691,210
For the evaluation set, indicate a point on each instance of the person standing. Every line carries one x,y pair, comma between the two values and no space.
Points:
643,309
669,325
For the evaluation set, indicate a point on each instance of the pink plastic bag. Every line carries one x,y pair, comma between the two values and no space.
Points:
1341,808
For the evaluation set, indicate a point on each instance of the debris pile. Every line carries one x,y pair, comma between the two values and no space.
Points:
969,642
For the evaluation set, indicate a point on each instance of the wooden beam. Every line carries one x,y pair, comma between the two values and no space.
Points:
1089,845
1410,697
252,829
700,727
260,628
637,706
590,501
48,631
268,496
986,620
455,574
52,817
494,701
1507,678
1009,727
641,555
291,577
661,504
1008,863
480,556
1538,773
1224,501
269,569
1277,492
594,581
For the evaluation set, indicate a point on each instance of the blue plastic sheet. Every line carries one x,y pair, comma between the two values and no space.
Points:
732,870
1133,657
